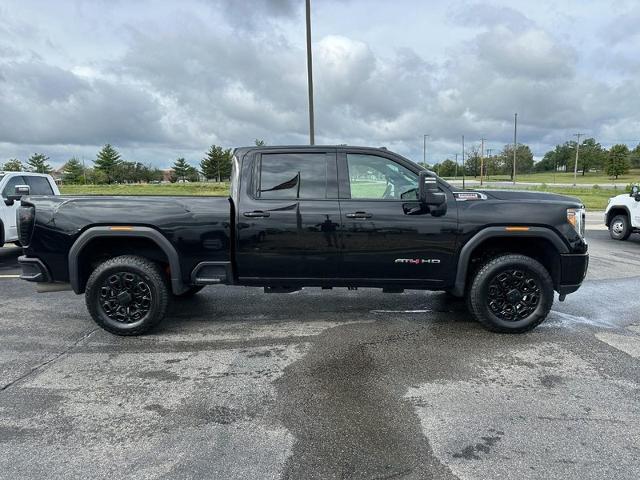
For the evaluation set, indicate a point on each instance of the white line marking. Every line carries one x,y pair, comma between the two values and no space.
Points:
400,311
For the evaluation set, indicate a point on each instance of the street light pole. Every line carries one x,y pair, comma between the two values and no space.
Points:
424,150
481,159
310,74
463,173
455,177
515,145
575,167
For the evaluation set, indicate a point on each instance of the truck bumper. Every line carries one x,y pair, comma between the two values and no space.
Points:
33,270
573,269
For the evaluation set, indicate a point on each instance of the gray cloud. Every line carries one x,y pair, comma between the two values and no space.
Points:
227,72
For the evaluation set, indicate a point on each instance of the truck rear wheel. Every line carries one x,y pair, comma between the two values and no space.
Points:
511,294
619,228
127,295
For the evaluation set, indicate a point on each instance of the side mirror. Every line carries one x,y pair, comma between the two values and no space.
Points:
428,191
19,192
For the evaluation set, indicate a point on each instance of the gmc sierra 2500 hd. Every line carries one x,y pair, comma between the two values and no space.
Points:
310,216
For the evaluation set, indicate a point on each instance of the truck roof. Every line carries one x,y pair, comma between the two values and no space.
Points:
243,150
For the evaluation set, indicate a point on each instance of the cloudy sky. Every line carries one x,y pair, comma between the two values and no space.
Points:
162,79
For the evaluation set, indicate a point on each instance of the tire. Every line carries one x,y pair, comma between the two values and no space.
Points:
511,294
619,228
127,295
191,292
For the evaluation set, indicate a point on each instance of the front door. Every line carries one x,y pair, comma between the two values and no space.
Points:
9,212
386,234
288,216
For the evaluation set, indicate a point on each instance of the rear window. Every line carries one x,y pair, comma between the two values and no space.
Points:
39,186
292,176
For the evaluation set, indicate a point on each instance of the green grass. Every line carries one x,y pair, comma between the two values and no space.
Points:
200,189
593,198
561,177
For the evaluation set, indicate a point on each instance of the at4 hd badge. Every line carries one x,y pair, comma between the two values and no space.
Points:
416,261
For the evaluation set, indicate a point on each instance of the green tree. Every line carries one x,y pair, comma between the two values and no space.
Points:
634,158
524,160
13,165
216,163
472,163
38,163
181,169
73,172
591,156
259,142
107,162
447,168
617,162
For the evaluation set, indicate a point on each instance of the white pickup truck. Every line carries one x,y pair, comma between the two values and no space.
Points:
622,215
39,184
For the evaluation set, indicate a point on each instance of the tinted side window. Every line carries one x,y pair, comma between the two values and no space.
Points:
10,187
293,175
373,177
39,186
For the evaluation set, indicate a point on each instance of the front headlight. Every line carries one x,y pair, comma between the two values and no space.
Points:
577,218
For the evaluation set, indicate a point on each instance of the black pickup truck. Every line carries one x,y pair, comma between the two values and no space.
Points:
297,217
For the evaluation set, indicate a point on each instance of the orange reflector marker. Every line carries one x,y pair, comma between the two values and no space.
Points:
121,229
517,229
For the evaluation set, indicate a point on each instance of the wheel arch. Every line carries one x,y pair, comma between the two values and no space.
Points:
500,237
617,210
105,232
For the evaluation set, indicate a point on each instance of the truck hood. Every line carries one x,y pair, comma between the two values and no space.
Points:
531,196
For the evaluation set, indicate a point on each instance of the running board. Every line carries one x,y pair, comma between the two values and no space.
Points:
212,273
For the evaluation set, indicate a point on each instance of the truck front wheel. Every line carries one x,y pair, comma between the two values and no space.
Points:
511,294
127,295
619,228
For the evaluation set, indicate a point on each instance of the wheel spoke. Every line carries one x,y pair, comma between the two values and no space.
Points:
125,297
513,294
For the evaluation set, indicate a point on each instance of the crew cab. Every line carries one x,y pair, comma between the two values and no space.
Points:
622,215
31,183
310,216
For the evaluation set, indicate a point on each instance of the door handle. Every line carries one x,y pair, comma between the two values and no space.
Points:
359,215
256,214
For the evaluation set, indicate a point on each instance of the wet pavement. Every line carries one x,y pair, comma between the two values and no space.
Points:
325,384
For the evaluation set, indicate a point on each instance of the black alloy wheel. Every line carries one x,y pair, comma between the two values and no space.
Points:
127,295
511,293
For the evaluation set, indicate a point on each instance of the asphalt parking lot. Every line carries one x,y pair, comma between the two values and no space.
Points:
240,384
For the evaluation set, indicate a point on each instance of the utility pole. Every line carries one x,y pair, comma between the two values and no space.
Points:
515,145
489,150
463,175
481,158
424,150
455,177
84,171
575,167
310,75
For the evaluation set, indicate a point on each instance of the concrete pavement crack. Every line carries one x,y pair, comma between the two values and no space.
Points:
51,360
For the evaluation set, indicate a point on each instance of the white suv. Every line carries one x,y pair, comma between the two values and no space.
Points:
38,184
622,215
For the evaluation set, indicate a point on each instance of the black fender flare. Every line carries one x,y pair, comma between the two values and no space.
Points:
177,285
618,207
499,232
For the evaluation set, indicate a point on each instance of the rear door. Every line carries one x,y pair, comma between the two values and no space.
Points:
288,216
9,212
39,185
386,235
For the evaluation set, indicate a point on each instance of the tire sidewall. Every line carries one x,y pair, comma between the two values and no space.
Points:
542,309
625,224
93,301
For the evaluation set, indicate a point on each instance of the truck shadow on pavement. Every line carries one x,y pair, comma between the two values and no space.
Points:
9,260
